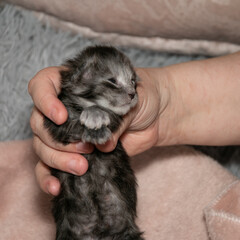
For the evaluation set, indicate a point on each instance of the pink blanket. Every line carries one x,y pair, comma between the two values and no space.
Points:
182,195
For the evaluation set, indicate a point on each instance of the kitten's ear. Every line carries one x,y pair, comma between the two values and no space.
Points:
87,74
82,74
76,75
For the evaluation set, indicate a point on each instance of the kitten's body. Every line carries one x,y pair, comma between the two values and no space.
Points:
98,87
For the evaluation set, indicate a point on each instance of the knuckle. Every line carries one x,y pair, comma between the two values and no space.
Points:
32,82
36,143
47,155
33,122
36,122
36,169
53,159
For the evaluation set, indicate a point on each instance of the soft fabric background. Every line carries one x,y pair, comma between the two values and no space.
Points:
26,46
194,27
193,19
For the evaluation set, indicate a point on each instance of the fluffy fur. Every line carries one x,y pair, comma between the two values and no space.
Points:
98,88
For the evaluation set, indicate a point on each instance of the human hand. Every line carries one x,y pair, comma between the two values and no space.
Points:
43,89
138,132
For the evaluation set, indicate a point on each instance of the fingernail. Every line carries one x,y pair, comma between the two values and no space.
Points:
74,167
84,147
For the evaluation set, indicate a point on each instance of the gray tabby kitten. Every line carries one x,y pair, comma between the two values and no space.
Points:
98,88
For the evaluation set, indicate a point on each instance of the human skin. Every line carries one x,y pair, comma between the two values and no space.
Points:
189,103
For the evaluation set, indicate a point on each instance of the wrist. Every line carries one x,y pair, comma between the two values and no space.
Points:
203,103
170,109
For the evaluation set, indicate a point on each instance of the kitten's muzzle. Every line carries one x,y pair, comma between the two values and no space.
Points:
131,95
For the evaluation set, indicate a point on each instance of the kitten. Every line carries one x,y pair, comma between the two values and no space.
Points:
98,87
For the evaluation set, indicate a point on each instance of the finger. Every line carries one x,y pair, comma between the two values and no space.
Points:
68,162
135,142
38,129
143,143
44,88
48,183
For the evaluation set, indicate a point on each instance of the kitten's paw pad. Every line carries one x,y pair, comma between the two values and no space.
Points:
96,136
94,119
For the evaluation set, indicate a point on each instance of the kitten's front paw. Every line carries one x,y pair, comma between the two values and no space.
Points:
96,136
94,118
95,122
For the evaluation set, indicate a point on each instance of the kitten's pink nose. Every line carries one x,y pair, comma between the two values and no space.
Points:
131,95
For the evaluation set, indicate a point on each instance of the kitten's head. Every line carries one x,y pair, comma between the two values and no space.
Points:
103,76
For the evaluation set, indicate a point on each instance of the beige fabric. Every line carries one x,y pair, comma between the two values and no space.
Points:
205,19
215,20
175,186
24,208
185,46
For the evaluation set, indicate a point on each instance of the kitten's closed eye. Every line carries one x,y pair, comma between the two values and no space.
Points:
112,80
